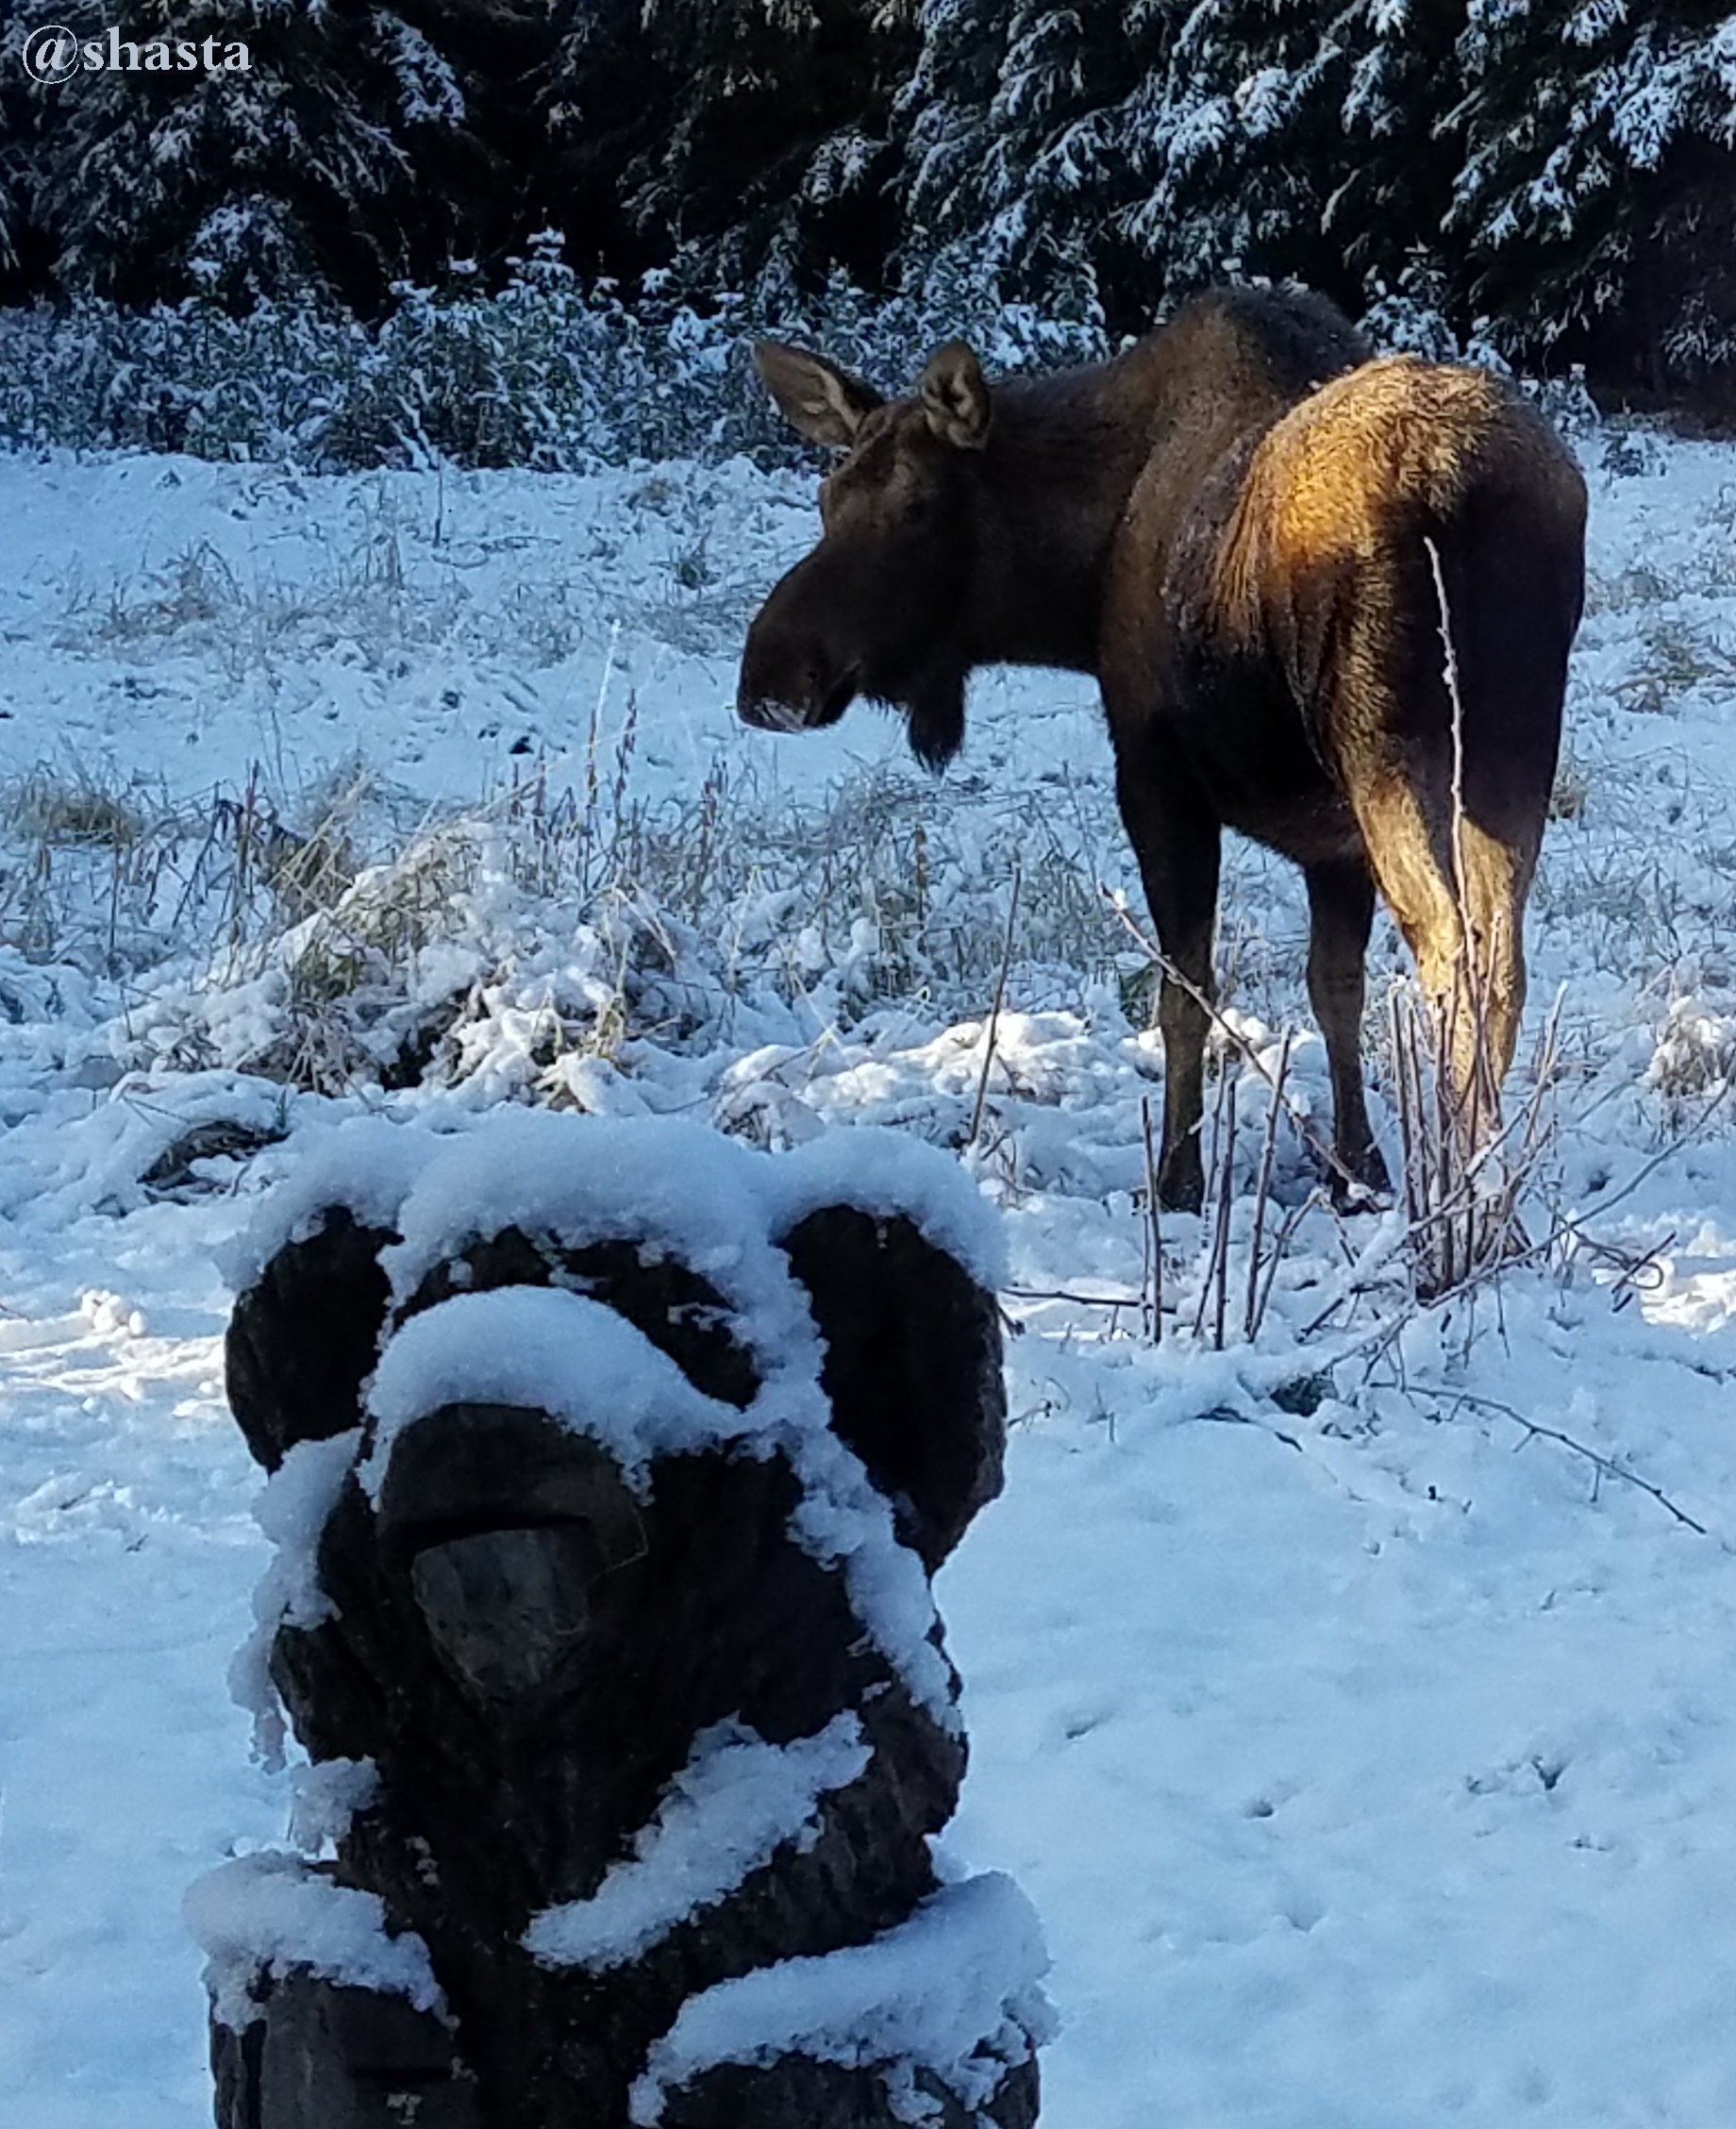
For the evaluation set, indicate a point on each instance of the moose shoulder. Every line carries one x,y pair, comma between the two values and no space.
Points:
1262,542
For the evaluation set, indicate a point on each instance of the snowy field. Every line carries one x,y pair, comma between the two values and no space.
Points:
1357,1706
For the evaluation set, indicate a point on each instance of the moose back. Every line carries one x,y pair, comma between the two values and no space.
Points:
1328,601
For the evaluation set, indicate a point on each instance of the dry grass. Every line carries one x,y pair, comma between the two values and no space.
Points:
1679,655
355,906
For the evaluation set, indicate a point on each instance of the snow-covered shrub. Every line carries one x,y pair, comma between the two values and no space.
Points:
523,950
549,372
1691,1058
177,378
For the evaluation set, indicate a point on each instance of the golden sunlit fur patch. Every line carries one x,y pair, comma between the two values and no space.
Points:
1372,459
1327,552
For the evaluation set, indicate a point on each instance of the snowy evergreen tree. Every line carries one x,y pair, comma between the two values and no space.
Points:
1229,169
15,179
1597,192
22,259
1558,177
746,140
598,105
1388,179
1011,126
1296,141
341,158
1181,142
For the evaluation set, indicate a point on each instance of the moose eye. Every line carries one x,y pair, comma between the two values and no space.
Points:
916,510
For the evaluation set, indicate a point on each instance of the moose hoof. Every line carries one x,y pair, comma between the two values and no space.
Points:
1361,1183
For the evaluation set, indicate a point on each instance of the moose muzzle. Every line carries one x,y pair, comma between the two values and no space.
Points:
791,679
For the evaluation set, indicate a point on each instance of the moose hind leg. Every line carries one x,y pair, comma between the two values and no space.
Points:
1442,881
1176,838
1341,900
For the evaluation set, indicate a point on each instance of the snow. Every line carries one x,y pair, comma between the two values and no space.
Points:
887,1174
953,1990
547,1350
292,1509
363,1164
1369,1763
735,1803
325,1796
681,1187
269,1913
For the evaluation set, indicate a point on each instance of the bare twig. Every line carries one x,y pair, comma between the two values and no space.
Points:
1227,1415
1536,1430
1079,1300
1463,1170
1262,1189
1648,1169
1643,1274
1292,1219
1213,1150
995,1011
1155,1228
1227,1178
1215,1278
1484,1081
1410,1107
1460,1222
1373,1259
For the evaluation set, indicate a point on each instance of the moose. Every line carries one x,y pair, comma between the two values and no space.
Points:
1329,600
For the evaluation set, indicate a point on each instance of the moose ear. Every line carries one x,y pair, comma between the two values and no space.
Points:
824,403
955,396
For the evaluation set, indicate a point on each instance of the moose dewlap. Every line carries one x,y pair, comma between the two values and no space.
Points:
608,1466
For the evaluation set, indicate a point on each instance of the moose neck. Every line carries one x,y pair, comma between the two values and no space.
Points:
1059,465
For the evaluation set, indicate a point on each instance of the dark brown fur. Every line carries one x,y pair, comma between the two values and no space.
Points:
1231,526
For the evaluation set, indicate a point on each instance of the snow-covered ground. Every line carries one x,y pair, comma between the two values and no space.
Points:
1369,1753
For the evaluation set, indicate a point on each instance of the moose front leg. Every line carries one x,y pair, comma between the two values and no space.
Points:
1175,837
1341,902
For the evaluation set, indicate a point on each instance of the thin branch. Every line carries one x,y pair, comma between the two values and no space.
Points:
1262,1189
1220,1203
1079,1300
1292,1219
1225,1198
1535,1429
1227,1415
995,1011
1156,1229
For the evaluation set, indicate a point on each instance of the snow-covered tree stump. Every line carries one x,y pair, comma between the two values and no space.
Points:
610,1464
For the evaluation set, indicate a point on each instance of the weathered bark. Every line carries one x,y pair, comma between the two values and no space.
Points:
526,1643
303,1339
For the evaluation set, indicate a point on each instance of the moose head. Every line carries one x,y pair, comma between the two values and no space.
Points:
881,607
